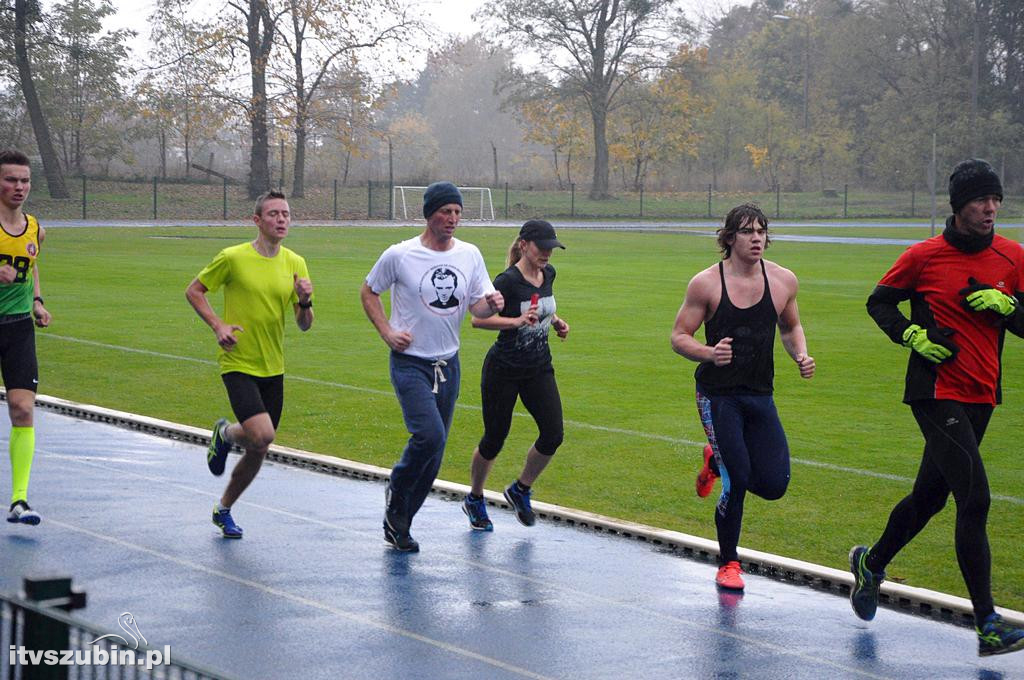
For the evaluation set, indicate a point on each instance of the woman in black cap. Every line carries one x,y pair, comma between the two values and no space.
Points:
518,365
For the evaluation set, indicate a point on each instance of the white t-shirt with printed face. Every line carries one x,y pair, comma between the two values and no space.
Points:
431,291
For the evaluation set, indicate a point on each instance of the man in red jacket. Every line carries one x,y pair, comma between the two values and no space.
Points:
965,290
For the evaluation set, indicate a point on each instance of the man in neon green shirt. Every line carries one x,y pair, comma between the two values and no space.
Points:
20,302
261,279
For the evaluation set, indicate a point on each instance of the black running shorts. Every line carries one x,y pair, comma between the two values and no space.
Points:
18,355
251,395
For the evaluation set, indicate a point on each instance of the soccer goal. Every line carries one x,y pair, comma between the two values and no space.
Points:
407,203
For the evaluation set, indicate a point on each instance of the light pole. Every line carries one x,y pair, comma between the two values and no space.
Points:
807,82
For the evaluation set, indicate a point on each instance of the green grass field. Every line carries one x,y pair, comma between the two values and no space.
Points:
124,337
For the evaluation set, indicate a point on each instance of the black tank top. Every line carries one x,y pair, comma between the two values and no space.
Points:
752,330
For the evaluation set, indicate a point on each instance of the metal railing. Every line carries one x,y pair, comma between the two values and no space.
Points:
40,642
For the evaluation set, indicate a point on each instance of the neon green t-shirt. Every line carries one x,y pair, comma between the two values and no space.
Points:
258,295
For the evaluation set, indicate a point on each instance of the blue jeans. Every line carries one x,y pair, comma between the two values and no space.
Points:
428,418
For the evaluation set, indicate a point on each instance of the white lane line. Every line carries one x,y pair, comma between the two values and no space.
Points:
679,441
545,582
305,601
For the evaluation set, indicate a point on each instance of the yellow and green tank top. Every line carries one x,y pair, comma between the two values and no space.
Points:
20,252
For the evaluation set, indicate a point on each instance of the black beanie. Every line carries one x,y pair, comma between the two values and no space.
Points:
438,194
972,179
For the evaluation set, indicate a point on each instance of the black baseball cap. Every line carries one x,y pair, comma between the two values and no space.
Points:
542,233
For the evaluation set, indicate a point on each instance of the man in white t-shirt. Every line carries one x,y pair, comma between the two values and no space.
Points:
424,340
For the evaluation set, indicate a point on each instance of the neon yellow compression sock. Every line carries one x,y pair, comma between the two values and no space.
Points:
22,446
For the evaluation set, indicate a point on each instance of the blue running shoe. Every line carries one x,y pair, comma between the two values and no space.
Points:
864,594
476,511
402,541
996,636
217,454
20,513
520,502
228,528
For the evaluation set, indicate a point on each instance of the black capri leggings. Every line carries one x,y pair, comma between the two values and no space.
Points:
499,388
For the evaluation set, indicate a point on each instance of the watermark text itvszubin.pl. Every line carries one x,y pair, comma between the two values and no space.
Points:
97,655
90,656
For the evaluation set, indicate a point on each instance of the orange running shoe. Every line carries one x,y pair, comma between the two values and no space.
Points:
706,477
730,576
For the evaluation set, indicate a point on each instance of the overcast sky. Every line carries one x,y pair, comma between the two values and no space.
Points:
450,16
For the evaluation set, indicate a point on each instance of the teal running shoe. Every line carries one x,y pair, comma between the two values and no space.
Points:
476,511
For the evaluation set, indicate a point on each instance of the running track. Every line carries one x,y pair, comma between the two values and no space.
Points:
314,592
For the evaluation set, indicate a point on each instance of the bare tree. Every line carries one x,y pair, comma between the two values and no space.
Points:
595,47
319,34
259,41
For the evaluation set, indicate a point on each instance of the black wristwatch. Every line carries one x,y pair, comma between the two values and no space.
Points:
306,305
39,299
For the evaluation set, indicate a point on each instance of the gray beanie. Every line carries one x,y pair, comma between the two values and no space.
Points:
439,194
971,179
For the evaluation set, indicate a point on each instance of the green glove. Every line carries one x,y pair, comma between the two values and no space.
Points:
981,296
933,344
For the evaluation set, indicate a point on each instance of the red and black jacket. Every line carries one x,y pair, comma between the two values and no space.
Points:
930,274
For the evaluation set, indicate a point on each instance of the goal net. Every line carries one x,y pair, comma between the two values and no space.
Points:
407,203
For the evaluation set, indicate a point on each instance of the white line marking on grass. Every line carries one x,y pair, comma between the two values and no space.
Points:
544,582
575,423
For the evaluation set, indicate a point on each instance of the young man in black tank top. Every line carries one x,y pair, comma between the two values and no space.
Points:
740,301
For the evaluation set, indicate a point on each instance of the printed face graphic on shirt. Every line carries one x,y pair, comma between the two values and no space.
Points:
439,288
528,337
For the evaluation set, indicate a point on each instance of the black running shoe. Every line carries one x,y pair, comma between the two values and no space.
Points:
403,542
520,502
217,454
864,594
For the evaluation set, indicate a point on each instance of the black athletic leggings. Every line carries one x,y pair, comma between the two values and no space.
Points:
951,463
500,386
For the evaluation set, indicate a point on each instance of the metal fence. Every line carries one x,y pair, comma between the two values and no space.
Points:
155,199
40,642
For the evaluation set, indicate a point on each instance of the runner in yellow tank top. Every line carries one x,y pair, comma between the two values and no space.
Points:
20,302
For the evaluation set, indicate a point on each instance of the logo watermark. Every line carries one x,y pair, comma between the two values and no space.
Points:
109,653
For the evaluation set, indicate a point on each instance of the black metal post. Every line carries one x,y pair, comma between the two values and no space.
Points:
572,199
391,181
641,200
84,201
225,212
846,195
43,633
506,200
154,196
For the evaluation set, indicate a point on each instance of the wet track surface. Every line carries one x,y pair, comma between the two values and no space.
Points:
312,591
